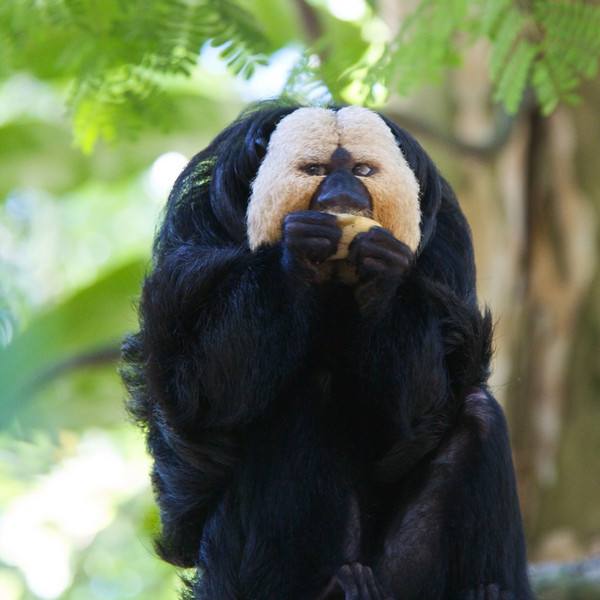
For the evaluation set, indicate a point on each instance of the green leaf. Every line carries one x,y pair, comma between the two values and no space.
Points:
545,88
515,75
97,317
119,57
504,42
493,13
341,48
280,21
427,44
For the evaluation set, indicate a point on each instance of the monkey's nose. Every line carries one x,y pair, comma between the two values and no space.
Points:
341,191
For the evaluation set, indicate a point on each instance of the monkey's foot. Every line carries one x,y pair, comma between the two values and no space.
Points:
358,583
487,592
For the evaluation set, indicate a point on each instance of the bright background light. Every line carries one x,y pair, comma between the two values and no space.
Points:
348,10
163,173
65,510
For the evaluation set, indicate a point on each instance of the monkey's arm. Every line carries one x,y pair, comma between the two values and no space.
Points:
381,262
221,333
458,533
224,329
220,337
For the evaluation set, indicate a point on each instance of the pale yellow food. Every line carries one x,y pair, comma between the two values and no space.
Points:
351,226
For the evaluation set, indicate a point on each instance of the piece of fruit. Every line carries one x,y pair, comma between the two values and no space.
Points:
351,226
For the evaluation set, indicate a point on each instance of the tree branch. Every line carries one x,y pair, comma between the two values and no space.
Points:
310,21
96,357
484,151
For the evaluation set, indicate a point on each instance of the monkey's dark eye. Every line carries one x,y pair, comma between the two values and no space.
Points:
363,170
315,169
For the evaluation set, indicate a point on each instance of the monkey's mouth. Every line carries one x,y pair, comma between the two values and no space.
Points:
348,210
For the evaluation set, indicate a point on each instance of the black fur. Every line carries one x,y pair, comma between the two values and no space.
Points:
306,449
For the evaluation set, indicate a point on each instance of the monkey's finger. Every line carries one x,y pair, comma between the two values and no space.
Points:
380,262
354,249
363,245
310,243
384,243
382,233
311,216
371,266
314,248
301,229
359,573
369,249
385,238
347,581
373,588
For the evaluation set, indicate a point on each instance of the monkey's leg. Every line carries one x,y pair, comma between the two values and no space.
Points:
250,549
354,581
459,535
280,532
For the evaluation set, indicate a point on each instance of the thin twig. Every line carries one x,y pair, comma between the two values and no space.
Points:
484,151
96,357
310,21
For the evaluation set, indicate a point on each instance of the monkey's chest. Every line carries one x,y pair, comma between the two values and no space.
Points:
336,336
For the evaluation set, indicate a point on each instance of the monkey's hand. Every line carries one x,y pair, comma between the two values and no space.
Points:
309,238
381,262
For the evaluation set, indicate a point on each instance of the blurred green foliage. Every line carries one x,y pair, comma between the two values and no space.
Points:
77,518
116,57
76,227
117,62
550,46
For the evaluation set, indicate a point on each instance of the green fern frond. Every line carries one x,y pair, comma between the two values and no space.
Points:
506,33
569,50
120,55
304,83
426,45
549,44
117,105
511,84
553,46
238,31
492,13
122,52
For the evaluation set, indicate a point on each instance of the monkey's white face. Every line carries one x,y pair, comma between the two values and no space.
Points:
294,166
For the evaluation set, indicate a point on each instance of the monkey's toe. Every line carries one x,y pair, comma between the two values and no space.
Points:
491,591
358,583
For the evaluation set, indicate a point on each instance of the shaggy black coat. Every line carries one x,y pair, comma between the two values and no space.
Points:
303,448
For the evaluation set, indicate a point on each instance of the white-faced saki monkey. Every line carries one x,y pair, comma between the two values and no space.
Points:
311,372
